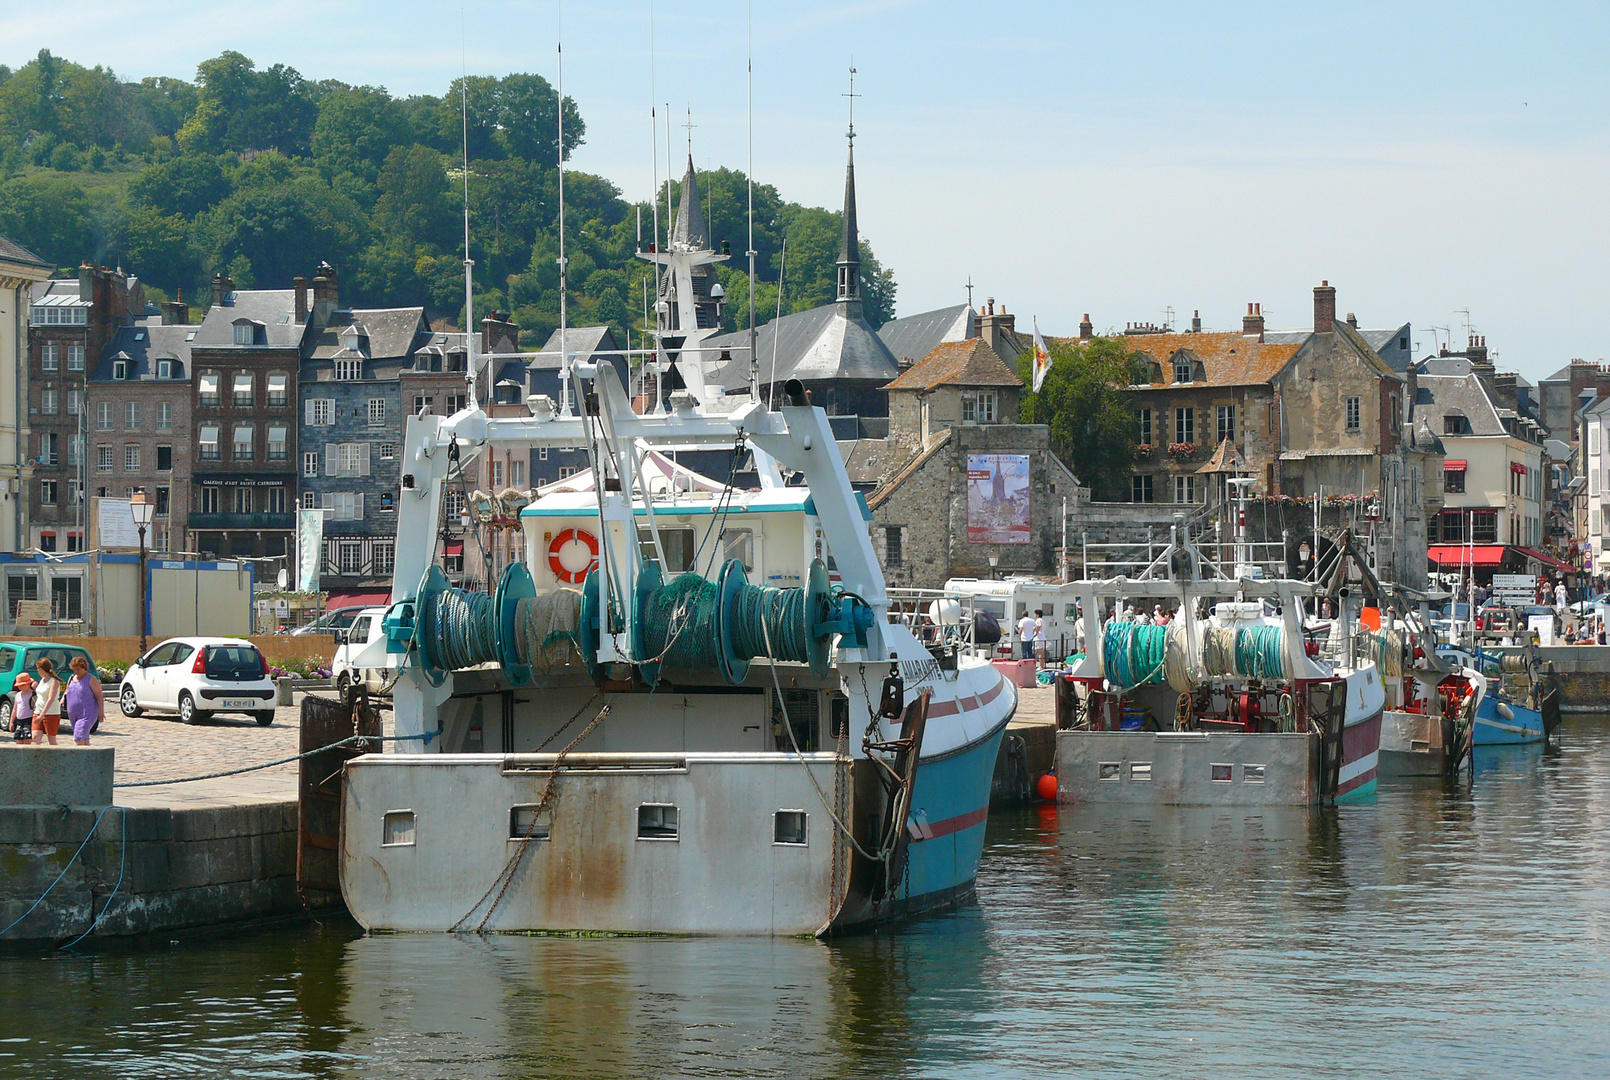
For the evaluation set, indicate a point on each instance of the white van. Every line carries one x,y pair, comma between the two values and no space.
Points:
364,631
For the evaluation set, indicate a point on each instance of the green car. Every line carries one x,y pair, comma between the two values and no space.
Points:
17,657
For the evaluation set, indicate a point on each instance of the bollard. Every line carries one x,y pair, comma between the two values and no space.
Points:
283,688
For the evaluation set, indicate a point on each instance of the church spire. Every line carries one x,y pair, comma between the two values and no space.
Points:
690,232
849,263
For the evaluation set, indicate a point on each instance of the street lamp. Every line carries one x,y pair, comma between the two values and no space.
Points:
142,509
994,561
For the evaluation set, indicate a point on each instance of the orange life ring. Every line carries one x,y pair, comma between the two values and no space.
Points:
581,536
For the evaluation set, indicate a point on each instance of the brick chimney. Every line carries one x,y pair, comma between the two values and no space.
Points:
175,312
992,323
326,293
221,287
1324,308
1196,321
499,334
1352,320
1252,322
1476,353
1086,330
299,283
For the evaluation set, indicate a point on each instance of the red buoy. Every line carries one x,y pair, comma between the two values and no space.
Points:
1047,787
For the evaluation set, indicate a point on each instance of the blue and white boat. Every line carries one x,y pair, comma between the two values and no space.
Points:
1521,704
667,718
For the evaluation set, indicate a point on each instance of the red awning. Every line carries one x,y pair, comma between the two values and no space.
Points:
453,547
355,598
1453,465
1548,560
1459,554
1514,467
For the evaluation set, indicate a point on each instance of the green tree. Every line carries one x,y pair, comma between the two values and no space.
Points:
48,215
157,247
183,186
240,108
281,229
357,127
1093,429
415,201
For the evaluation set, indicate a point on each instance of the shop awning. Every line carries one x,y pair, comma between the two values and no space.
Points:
1548,560
356,598
1458,554
453,547
1453,465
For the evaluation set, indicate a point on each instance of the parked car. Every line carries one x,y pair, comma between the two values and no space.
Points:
330,621
364,631
17,657
197,677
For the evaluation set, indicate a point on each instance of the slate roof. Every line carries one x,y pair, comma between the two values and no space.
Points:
1228,358
819,345
57,292
1446,365
915,336
11,251
275,309
143,344
690,232
958,363
868,460
388,334
1438,396
582,342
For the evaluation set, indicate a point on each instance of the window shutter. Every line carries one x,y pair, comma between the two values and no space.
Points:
307,412
329,460
357,507
363,462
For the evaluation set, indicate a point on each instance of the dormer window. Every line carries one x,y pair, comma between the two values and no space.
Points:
1182,369
164,369
120,369
244,334
348,370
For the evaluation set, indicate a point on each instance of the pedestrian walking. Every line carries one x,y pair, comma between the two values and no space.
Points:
22,709
47,703
1025,635
86,706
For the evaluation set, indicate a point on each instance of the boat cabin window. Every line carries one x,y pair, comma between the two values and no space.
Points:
1141,770
656,821
526,822
1252,774
1109,770
678,545
739,544
397,830
788,827
1221,773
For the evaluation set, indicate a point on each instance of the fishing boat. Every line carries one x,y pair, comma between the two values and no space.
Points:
1522,704
1432,703
1232,703
686,709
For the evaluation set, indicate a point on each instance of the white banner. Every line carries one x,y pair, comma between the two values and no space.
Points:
309,549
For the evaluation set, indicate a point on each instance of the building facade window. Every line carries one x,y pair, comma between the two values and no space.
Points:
164,369
1141,489
243,500
164,500
75,358
351,459
497,475
1185,489
278,448
893,555
49,357
349,555
103,458
1453,482
242,391
321,412
243,442
47,401
310,463
384,557
517,473
164,416
1146,427
49,445
274,500
1226,416
47,493
344,505
75,402
103,416
207,388
1355,414
131,416
1484,527
244,334
164,459
377,412
279,389
75,450
1182,370
207,443
131,457
348,370
455,404
422,404
1185,425
208,499
310,500
388,451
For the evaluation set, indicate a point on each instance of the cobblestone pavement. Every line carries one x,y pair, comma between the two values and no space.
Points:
160,747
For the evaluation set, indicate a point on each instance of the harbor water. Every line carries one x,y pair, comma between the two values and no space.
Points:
1429,932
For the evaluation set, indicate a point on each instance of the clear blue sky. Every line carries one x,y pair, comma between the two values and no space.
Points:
1118,159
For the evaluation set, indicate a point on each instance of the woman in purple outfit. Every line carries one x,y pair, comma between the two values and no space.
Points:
86,708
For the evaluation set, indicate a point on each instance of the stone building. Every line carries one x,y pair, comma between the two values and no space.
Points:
70,323
20,271
245,354
1564,394
349,446
140,388
587,344
937,505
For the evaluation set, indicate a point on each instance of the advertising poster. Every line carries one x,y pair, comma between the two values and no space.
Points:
998,498
309,549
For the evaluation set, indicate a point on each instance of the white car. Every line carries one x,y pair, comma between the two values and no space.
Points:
344,666
197,677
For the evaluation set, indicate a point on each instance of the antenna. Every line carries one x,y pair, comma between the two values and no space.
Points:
469,263
654,194
564,284
754,361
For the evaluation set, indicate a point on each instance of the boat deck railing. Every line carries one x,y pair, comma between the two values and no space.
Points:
957,623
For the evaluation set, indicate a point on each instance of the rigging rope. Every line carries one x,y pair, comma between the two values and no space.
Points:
1260,652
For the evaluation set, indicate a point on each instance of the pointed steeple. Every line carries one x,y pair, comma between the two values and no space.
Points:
690,232
849,263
